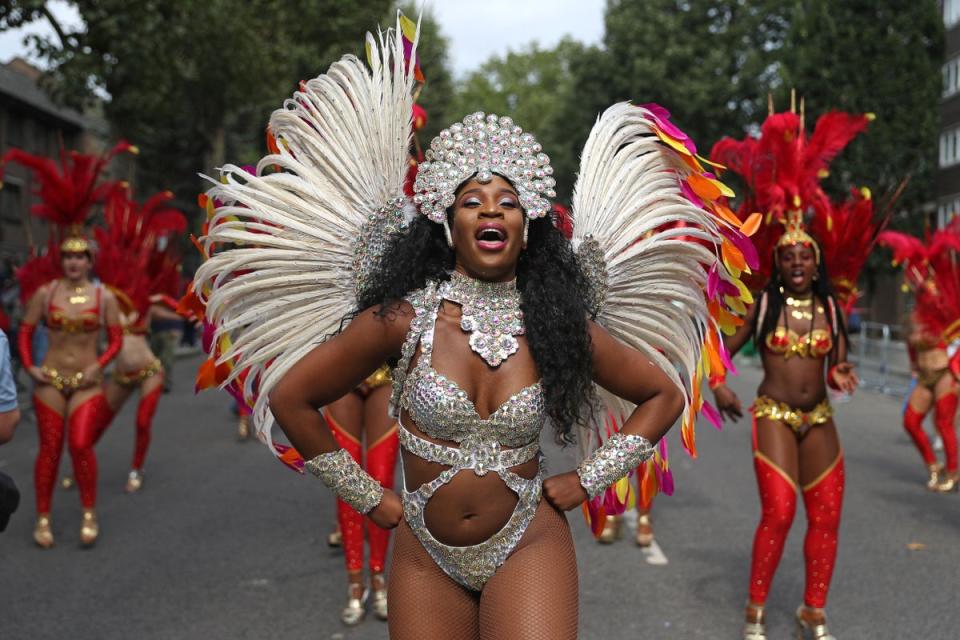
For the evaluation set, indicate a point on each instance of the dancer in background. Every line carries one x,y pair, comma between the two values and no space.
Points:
797,323
132,264
932,271
68,398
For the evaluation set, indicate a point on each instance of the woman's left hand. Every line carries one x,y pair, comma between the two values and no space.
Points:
564,491
845,378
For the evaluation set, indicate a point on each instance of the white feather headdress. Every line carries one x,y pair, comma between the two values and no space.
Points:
304,231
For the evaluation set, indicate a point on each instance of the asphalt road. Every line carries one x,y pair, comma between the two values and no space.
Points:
224,542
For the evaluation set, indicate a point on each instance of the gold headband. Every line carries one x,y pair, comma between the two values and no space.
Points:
75,244
796,233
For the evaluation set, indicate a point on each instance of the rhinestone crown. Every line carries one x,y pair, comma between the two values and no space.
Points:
484,145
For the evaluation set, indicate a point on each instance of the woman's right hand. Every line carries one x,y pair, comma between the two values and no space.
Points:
39,375
728,404
387,514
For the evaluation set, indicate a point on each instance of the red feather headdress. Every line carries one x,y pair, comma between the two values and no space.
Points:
932,270
132,259
69,191
782,170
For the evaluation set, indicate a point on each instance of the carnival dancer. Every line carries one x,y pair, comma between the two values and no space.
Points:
134,260
932,271
799,327
68,399
487,310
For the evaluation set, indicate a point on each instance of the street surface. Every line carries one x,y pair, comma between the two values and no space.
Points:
225,542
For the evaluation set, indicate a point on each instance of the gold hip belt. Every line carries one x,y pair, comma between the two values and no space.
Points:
799,421
135,378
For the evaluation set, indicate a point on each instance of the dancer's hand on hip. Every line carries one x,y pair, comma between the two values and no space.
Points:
564,491
387,514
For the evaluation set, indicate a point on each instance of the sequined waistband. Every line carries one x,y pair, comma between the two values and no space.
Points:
481,456
134,378
799,421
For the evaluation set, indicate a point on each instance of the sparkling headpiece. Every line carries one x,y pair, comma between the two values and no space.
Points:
484,145
796,233
75,242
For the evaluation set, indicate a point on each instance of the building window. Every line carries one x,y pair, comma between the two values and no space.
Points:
950,147
11,204
951,76
948,209
951,12
15,122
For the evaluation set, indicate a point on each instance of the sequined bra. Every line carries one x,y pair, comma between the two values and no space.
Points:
87,321
787,342
506,438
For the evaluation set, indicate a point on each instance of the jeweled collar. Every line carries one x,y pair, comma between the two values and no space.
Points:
490,313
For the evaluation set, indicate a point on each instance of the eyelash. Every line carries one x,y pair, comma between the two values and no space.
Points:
509,202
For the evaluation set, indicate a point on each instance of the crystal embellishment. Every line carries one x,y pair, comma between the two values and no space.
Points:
619,455
490,314
347,479
484,145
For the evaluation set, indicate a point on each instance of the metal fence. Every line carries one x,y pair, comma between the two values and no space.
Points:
881,358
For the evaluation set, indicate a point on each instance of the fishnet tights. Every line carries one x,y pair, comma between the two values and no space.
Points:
532,596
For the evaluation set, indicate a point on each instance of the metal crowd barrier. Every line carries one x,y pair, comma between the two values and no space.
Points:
881,361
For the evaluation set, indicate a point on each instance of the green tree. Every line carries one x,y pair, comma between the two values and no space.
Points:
193,82
880,56
710,62
532,86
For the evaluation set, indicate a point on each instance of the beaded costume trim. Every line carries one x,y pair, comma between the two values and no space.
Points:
490,313
619,455
347,479
799,421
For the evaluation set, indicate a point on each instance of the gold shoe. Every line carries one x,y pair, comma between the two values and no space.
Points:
134,481
934,478
951,482
67,482
611,530
89,529
810,630
644,530
756,630
378,585
335,538
353,613
42,533
243,427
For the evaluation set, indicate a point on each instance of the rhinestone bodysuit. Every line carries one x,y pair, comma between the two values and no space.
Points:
510,436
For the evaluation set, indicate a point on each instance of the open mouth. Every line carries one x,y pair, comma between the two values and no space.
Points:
797,276
491,236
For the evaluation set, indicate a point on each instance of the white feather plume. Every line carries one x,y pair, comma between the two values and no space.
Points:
280,274
627,190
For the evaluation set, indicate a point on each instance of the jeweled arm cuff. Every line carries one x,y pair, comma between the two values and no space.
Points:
619,455
347,479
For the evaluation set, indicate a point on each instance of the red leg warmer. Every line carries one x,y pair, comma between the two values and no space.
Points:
946,413
823,499
86,423
913,423
778,504
50,428
381,464
145,412
351,521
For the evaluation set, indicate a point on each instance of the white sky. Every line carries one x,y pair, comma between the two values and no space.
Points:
476,29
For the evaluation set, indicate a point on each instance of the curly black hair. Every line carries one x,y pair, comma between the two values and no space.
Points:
553,292
822,290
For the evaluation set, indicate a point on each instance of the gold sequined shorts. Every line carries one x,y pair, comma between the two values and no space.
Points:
799,421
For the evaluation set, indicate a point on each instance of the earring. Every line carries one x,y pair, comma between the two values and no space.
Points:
446,232
526,229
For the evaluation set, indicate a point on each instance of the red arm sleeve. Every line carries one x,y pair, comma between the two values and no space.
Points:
25,343
115,337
